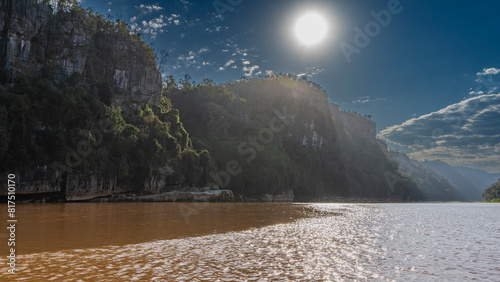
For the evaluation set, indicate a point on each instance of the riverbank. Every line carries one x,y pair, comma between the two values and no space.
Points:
175,196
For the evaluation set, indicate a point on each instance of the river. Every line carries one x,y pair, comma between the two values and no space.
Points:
255,242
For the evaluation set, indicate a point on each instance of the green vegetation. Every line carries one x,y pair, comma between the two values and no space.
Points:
48,122
85,124
492,194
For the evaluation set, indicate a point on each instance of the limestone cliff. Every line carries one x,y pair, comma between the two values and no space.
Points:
81,112
36,39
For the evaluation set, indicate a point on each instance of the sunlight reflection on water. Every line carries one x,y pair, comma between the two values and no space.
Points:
366,241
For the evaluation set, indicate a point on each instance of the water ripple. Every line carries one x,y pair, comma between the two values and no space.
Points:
382,242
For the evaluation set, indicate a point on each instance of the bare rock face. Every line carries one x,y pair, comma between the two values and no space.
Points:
355,124
163,180
34,37
176,196
286,196
42,179
86,187
144,84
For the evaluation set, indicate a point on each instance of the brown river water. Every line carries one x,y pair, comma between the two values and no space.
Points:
254,242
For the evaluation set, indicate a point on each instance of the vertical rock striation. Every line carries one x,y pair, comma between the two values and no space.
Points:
34,38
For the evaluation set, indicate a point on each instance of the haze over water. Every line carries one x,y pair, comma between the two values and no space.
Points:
238,242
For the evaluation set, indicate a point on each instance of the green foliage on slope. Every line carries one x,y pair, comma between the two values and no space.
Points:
85,124
45,122
492,194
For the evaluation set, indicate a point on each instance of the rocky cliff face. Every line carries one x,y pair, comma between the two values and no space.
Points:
354,124
98,69
34,39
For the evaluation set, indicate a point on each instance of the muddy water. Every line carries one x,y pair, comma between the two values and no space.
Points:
258,242
55,227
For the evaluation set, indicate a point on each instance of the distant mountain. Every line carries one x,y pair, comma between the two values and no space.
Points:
480,178
434,186
440,181
464,179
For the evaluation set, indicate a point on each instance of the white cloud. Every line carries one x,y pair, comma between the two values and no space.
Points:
312,71
367,99
485,83
217,28
194,59
228,63
246,62
156,25
203,50
241,51
147,9
466,133
488,71
249,70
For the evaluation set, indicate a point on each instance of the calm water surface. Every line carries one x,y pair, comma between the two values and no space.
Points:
256,242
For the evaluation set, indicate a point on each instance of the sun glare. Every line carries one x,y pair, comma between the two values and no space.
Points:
310,29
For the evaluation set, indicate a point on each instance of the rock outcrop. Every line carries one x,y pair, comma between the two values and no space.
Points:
175,196
355,124
286,196
34,38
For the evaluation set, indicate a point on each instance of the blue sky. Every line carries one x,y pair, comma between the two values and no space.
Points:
420,77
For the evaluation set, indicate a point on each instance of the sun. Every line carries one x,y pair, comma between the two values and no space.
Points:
311,28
